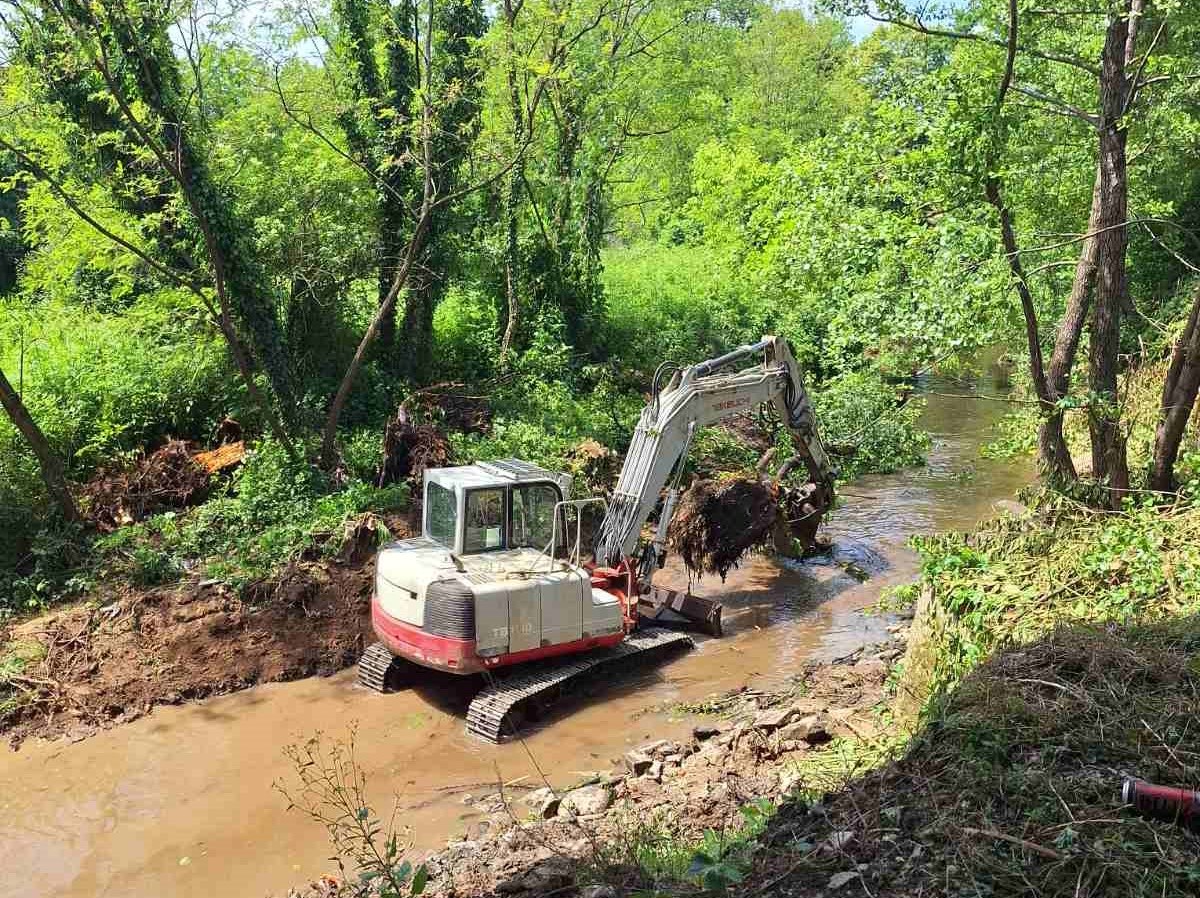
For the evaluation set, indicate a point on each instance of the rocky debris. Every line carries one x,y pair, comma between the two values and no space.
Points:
550,875
543,802
678,786
638,762
809,729
586,801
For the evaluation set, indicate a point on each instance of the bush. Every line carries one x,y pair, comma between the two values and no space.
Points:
862,412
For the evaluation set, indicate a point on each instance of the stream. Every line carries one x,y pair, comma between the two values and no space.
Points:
180,802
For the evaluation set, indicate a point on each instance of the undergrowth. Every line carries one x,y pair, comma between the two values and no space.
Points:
1054,654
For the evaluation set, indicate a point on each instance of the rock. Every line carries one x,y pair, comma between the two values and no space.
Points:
840,879
810,729
638,762
661,747
772,718
656,771
548,875
468,799
871,669
806,705
597,891
511,886
838,842
706,731
673,760
549,807
586,800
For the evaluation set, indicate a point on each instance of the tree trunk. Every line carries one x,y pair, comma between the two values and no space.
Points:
423,287
415,245
1052,446
1112,286
1037,371
512,199
49,464
1179,397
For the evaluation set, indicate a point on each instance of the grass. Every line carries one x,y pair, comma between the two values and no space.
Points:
1053,655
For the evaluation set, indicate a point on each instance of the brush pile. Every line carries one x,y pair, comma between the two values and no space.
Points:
718,521
408,449
167,478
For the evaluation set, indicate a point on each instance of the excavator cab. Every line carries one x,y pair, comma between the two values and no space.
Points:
494,506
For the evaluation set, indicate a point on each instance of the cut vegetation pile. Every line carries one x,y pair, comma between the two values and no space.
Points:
167,478
718,521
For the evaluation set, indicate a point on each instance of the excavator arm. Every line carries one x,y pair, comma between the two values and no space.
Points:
695,397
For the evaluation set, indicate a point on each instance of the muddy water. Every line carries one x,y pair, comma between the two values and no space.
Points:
181,802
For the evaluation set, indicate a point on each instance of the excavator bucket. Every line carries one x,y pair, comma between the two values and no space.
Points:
670,606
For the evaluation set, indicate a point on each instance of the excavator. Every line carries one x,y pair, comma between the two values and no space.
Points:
508,580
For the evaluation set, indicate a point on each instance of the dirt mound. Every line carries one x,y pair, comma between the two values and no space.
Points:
408,449
165,479
111,664
718,521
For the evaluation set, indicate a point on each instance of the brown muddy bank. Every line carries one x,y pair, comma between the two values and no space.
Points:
111,663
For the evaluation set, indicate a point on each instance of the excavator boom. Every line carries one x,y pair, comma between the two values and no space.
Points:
695,397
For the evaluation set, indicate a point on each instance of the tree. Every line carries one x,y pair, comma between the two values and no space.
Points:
123,53
50,466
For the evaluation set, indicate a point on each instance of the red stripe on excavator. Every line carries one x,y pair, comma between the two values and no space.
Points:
458,655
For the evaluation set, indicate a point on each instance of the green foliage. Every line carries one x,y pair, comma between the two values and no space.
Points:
277,508
862,413
1011,582
722,860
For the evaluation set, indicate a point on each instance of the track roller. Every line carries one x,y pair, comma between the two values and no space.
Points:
379,670
499,711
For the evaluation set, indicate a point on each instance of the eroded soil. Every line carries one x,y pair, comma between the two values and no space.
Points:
111,661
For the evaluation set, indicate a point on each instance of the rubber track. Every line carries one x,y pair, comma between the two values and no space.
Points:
489,715
374,665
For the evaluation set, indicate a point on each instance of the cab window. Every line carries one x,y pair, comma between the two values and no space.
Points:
533,516
485,521
440,514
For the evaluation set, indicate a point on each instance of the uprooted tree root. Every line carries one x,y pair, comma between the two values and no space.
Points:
409,448
168,478
718,522
1014,786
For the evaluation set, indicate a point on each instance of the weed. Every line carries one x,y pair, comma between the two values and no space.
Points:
330,789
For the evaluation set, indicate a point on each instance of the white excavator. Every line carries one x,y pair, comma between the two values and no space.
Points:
508,580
